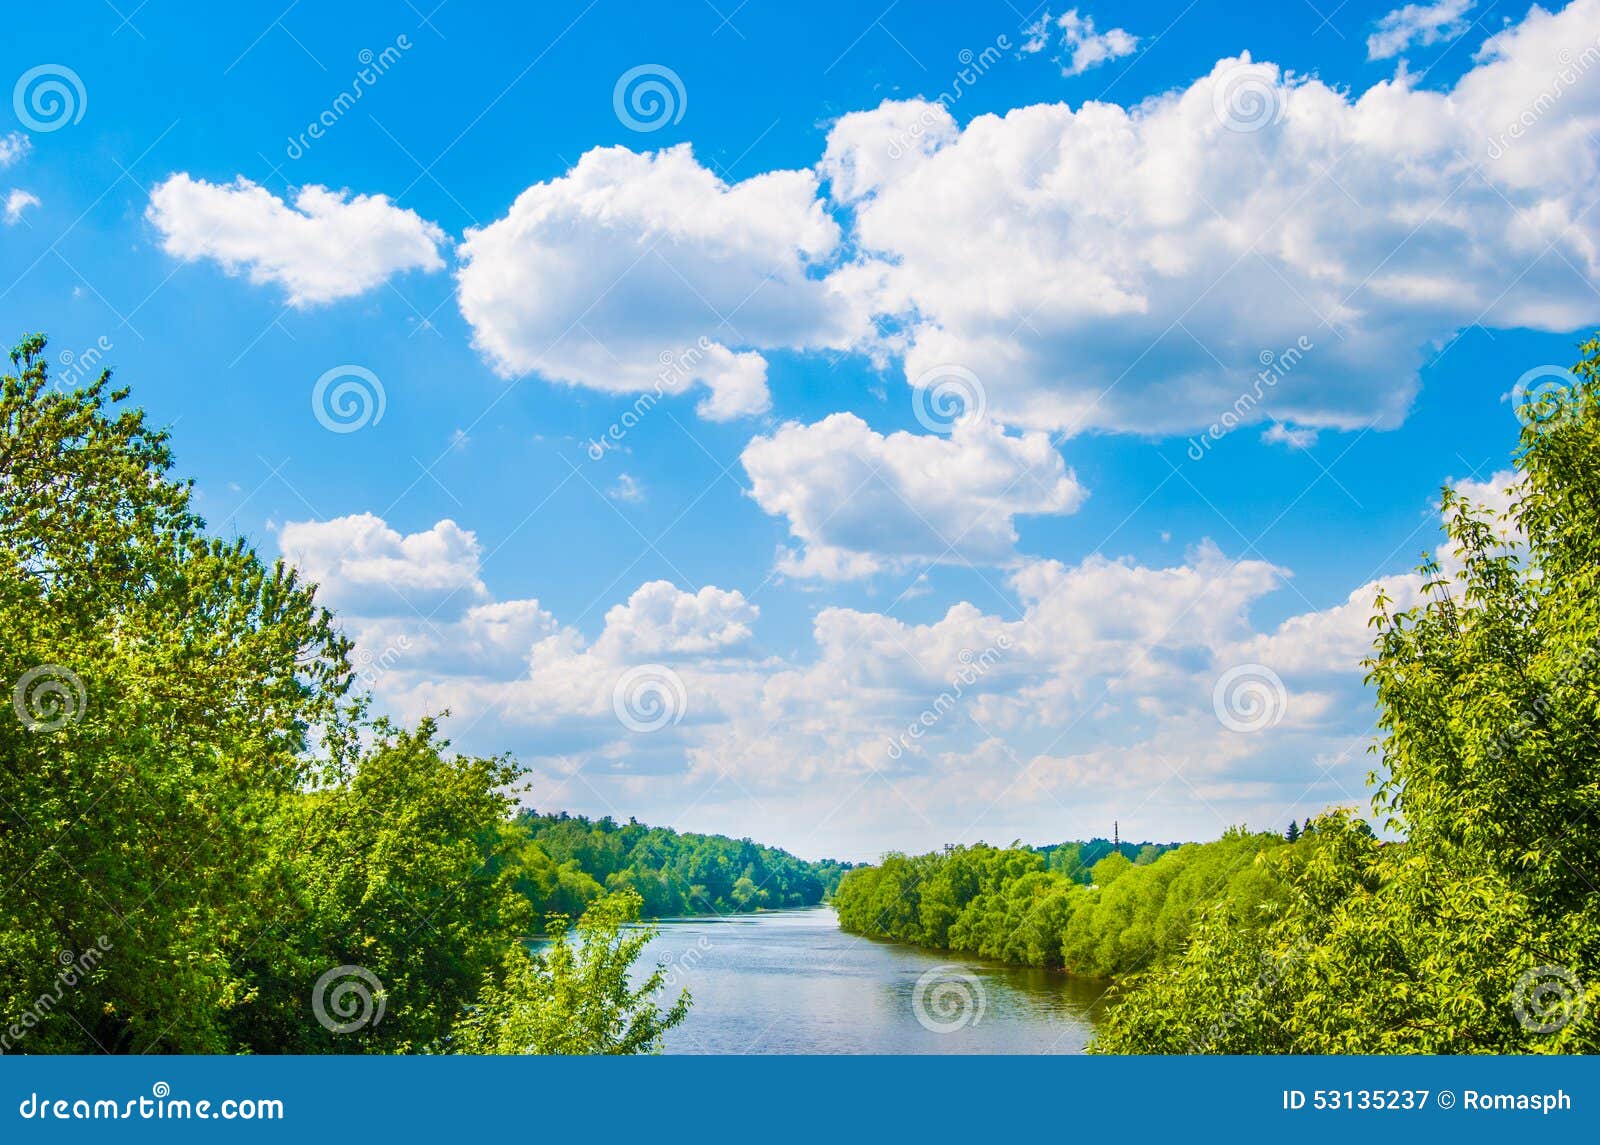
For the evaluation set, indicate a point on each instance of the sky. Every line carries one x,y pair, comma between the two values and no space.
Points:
853,426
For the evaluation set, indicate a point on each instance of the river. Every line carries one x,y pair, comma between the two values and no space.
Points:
791,982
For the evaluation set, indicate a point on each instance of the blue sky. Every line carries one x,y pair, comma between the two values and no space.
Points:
1116,219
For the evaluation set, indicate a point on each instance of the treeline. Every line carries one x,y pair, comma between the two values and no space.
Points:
1043,907
207,844
1481,933
563,862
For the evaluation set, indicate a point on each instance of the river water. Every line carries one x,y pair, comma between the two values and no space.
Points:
791,982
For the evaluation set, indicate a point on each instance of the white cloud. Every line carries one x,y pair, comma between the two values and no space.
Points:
1126,268
14,147
860,501
663,620
1420,24
636,273
626,489
362,563
1083,47
1092,698
326,246
1279,434
18,201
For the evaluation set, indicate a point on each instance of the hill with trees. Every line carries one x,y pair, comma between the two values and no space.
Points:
563,862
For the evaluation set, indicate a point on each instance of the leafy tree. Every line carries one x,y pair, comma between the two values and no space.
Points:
576,997
1481,931
197,815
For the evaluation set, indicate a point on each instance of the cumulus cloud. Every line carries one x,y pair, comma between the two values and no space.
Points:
860,501
17,201
1081,46
360,562
1095,696
1127,269
1419,24
325,246
635,273
1279,434
14,147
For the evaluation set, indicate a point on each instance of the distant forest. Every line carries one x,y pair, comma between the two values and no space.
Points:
564,862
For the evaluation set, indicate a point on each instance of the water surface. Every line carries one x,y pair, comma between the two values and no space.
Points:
791,982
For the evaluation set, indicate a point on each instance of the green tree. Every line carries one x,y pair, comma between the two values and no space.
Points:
1481,931
576,996
197,815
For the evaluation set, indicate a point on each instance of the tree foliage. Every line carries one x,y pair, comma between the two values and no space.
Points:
569,860
197,817
1480,931
1014,905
